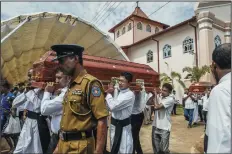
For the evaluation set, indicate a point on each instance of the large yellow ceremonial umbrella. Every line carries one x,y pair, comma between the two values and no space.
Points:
24,39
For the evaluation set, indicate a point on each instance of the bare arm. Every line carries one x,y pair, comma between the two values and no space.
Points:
101,135
159,106
150,101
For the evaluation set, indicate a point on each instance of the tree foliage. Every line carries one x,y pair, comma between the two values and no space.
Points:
195,73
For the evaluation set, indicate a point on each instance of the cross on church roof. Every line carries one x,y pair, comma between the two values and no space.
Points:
137,3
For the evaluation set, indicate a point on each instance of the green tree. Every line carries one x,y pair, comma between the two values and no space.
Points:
174,76
195,73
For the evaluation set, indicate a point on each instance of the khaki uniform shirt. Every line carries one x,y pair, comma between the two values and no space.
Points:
78,115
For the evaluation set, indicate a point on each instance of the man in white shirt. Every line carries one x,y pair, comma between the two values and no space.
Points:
175,103
121,109
218,127
189,106
161,126
137,118
53,107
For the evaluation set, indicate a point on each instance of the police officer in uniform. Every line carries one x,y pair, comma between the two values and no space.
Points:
84,108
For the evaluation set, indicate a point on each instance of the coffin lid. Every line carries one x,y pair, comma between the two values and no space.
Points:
200,87
201,84
117,65
25,38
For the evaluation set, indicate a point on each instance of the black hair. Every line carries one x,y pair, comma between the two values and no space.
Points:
58,70
128,76
222,56
16,88
168,86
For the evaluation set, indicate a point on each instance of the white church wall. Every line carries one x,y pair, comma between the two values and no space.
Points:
178,59
138,54
127,37
220,33
141,34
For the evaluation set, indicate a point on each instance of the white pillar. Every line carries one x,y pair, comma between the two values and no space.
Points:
205,23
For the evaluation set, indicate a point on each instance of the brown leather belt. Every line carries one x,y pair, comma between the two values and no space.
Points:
71,136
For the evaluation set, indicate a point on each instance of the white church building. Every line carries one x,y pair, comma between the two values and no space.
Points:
189,43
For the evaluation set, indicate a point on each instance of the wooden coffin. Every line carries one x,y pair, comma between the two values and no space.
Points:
102,68
200,87
105,68
44,70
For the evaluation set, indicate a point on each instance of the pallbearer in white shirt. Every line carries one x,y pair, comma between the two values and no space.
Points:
121,109
34,137
189,106
161,126
137,117
53,107
218,127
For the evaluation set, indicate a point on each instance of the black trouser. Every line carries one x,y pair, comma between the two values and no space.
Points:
136,123
3,121
21,119
174,109
200,107
205,117
53,143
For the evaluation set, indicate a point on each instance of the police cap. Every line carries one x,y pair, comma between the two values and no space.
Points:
64,50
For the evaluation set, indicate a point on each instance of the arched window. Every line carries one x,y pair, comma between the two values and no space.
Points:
148,28
167,51
217,41
156,30
149,56
129,27
139,26
123,30
118,33
188,45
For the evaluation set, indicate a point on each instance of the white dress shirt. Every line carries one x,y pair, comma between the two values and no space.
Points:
122,106
53,108
219,117
139,103
162,119
19,103
205,103
189,104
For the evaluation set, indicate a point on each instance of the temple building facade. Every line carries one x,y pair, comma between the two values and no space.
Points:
171,48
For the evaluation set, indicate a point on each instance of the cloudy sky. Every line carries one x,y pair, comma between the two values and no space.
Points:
104,14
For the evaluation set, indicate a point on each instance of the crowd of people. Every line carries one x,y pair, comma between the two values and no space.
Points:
72,114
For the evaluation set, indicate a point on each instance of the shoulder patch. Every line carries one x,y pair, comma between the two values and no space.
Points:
96,91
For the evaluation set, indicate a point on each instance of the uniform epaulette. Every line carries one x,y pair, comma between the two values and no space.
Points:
89,77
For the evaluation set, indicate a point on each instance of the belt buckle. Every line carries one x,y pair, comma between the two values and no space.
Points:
83,135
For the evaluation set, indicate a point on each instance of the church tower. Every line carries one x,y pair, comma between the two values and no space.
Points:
135,27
